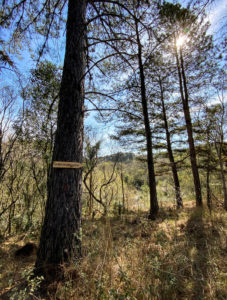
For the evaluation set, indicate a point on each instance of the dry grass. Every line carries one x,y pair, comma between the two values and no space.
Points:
181,255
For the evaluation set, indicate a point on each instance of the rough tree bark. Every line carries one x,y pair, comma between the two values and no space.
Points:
60,236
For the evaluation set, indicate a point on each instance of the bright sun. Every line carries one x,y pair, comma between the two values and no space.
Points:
180,40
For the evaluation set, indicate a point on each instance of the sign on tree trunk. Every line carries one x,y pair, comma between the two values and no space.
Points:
67,165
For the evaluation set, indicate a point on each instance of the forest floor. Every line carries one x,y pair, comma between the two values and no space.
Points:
181,255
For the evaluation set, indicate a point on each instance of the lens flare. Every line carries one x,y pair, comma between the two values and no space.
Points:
180,41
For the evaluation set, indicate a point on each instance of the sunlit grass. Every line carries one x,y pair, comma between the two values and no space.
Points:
178,256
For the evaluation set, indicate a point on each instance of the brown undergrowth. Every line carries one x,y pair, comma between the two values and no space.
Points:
181,255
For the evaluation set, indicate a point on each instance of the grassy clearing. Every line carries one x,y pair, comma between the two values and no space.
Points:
181,255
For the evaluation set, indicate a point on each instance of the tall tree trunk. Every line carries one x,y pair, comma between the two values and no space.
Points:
185,102
219,153
170,152
209,204
150,162
60,236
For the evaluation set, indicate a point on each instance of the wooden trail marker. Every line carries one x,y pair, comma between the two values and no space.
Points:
67,165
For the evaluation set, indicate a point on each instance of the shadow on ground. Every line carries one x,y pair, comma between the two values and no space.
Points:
196,243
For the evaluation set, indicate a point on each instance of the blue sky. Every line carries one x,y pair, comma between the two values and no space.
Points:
24,63
217,12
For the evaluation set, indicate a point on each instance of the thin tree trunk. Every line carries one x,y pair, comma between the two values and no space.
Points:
222,174
123,190
208,169
90,194
170,152
150,162
60,236
184,98
10,220
208,187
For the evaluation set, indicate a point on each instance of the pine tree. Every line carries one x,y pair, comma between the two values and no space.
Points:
126,39
191,47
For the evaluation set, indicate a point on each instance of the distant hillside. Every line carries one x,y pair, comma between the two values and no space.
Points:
121,157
